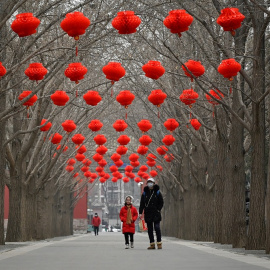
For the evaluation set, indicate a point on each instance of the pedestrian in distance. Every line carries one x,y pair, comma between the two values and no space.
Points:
96,222
128,215
151,204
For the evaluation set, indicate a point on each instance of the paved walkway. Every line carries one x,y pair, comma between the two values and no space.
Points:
106,251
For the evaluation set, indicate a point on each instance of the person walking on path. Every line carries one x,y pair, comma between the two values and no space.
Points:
151,203
128,215
96,222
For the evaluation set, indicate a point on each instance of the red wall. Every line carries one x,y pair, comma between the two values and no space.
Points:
6,203
80,210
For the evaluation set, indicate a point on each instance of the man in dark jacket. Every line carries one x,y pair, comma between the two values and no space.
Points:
152,203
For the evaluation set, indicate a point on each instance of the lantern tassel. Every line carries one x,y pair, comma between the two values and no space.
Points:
76,93
112,83
126,115
77,50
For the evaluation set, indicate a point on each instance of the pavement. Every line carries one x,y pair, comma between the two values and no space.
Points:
107,251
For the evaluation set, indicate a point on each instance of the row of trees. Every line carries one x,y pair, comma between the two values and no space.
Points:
206,183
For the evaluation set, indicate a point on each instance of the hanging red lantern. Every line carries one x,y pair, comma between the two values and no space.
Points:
102,163
113,168
102,150
126,22
102,180
30,101
114,179
75,24
125,179
35,71
84,169
189,97
69,168
229,68
92,98
107,176
100,139
91,180
195,123
162,150
171,124
95,125
80,157
119,163
75,72
129,168
65,149
116,173
121,150
153,173
178,21
76,174
153,69
102,174
145,140
216,94
69,126
143,168
82,149
125,98
157,97
123,139
71,161
78,139
131,175
193,67
60,98
88,174
120,125
144,125
137,179
97,157
87,162
169,157
135,163
115,157
133,157
114,71
141,173
168,139
230,19
56,138
25,24
99,169
146,176
151,157
94,176
3,70
47,126
142,150
151,163
160,168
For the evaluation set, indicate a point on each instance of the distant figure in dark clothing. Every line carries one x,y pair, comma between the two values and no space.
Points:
152,203
96,222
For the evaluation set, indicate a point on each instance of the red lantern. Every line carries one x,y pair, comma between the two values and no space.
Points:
87,162
142,150
144,125
47,126
30,101
115,157
88,174
230,19
120,125
145,140
114,179
189,97
126,22
140,173
25,24
146,176
131,175
56,138
100,139
133,157
76,174
107,176
93,175
157,97
102,174
151,163
69,168
153,69
151,157
119,163
153,173
78,139
193,67
121,150
169,157
168,139
95,125
60,98
116,173
125,98
137,180
178,21
135,163
102,163
113,168
75,72
84,169
71,161
75,24
92,98
216,94
171,124
102,150
162,150
80,157
97,157
229,68
123,139
114,71
69,125
99,169
35,71
3,70
125,179
82,149
129,168
160,168
195,123
143,168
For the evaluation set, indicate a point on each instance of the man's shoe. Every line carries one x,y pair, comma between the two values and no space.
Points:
152,246
131,244
127,246
159,245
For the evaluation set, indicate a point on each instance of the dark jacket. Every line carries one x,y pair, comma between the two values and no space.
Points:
153,207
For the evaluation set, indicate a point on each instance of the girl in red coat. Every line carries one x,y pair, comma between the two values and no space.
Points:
128,215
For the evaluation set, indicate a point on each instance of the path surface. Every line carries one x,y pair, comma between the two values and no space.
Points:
106,251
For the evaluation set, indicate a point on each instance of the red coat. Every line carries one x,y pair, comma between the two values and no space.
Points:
96,221
123,217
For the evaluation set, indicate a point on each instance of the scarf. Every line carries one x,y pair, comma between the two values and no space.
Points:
129,215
